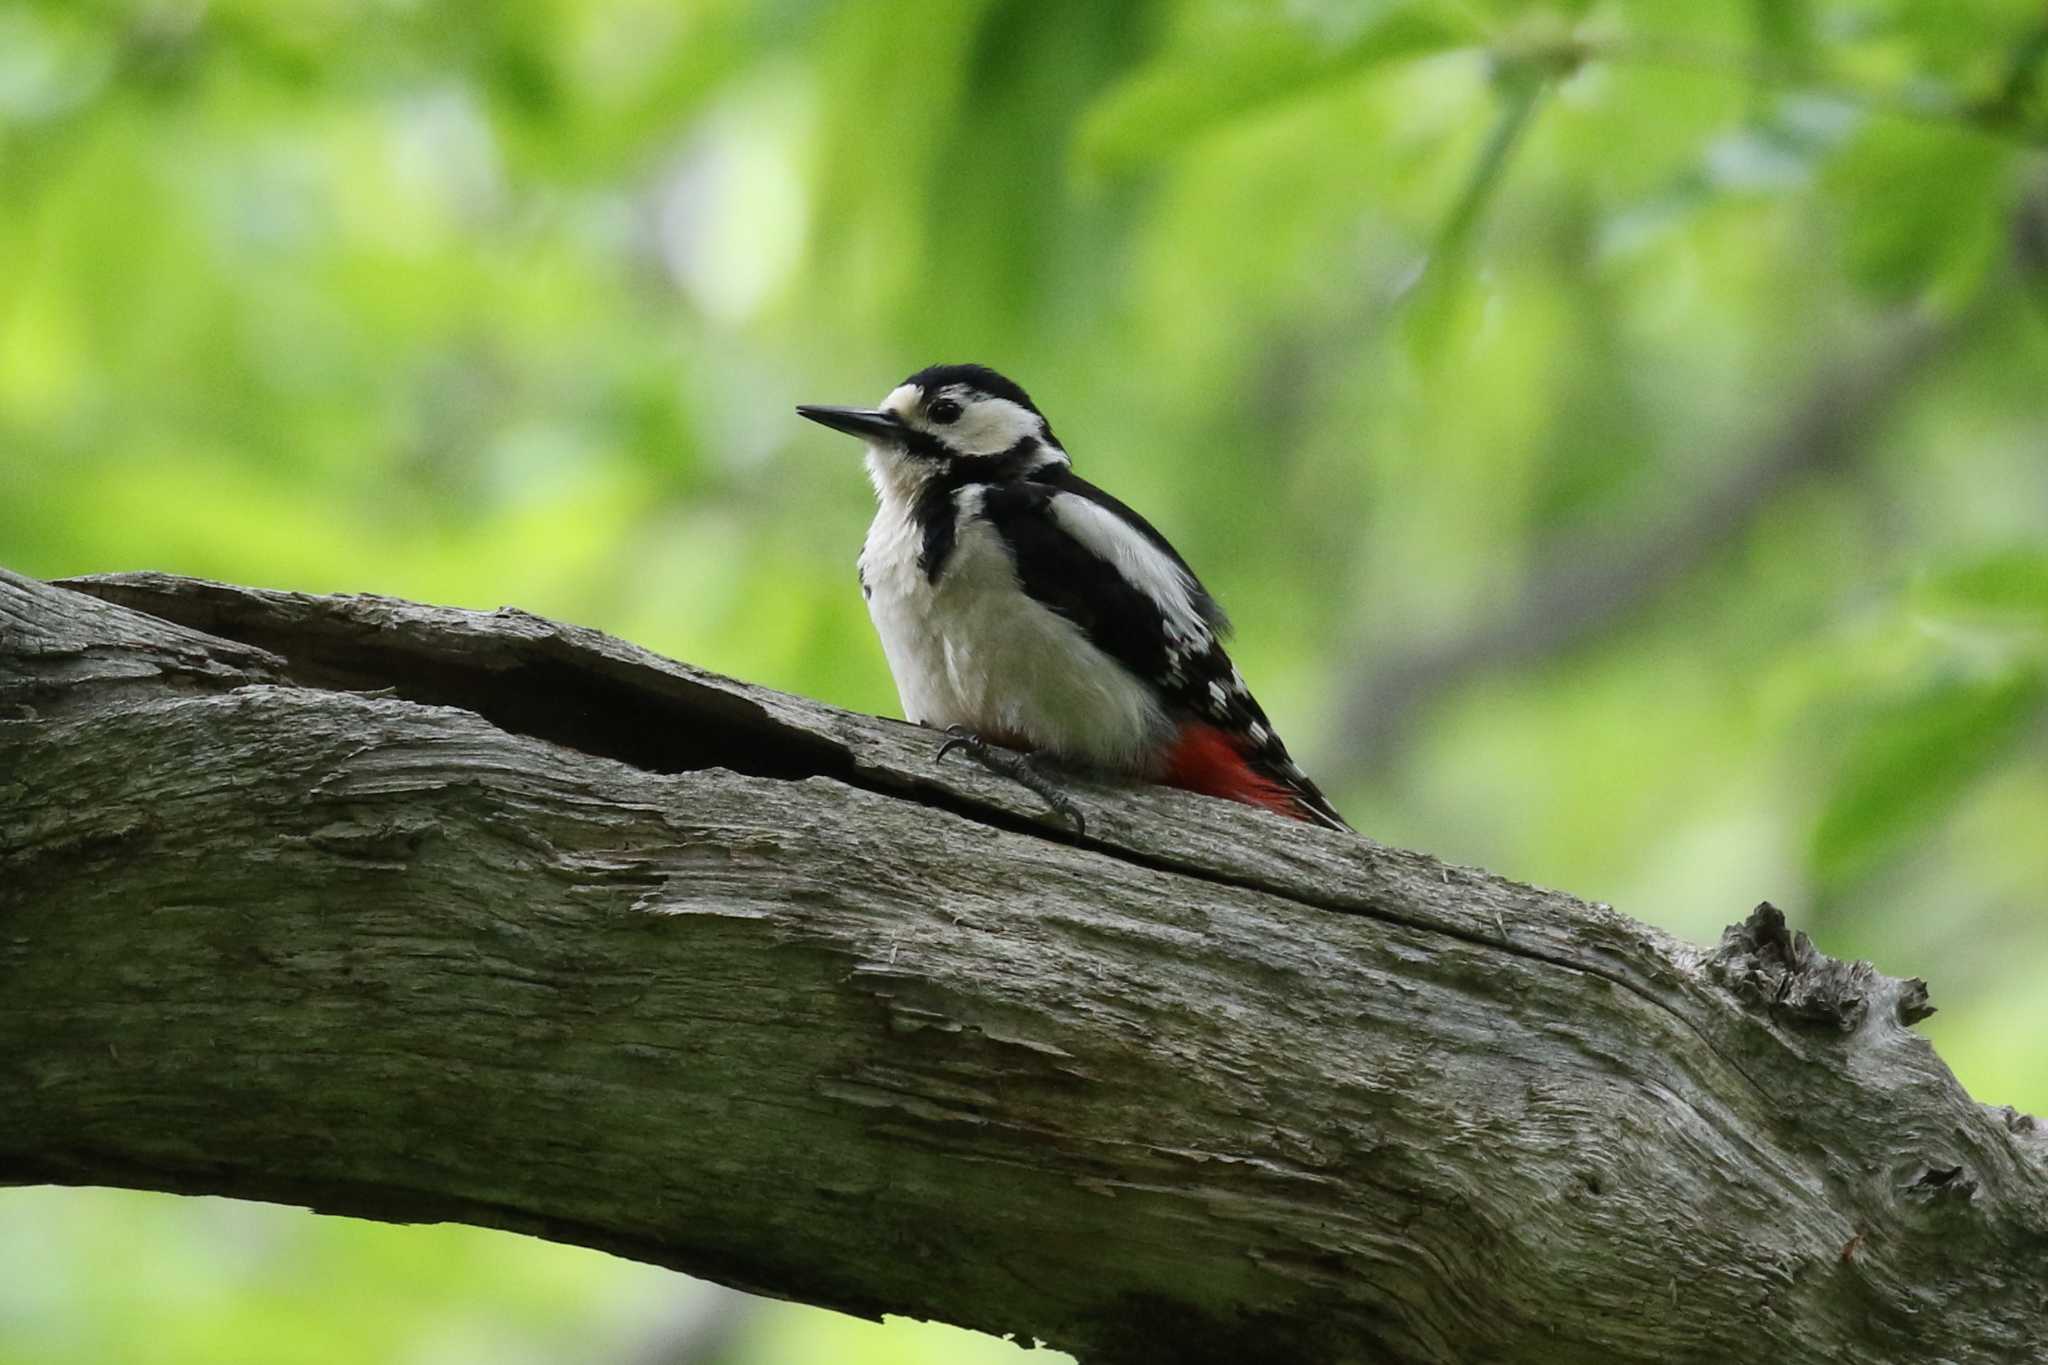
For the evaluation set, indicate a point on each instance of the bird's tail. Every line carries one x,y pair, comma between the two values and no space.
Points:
1208,759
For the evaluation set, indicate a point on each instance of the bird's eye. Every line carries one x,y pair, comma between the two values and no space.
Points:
944,411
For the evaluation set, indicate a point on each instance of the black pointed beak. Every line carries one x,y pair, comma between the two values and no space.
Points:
868,423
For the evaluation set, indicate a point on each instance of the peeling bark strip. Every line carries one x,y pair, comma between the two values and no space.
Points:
422,914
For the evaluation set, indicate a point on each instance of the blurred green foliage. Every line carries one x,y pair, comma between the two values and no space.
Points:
1403,319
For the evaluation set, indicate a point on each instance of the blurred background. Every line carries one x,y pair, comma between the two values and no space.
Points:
1619,430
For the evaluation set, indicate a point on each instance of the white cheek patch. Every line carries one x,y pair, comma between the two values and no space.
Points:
991,426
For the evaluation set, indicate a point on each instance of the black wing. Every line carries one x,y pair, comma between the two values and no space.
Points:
1123,621
1061,478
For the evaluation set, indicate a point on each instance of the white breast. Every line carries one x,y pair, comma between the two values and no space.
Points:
974,649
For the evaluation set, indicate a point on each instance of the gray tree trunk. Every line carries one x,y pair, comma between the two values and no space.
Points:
421,914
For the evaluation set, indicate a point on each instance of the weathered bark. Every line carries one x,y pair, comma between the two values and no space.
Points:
418,914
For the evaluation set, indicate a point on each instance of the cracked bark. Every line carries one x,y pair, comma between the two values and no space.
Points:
421,914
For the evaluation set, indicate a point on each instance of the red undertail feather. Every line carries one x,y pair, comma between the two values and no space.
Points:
1207,760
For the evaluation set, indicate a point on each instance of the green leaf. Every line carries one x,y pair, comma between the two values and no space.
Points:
2007,588
1910,765
1183,95
1922,209
1784,34
1438,298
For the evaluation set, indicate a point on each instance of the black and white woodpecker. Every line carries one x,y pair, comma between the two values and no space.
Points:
1021,605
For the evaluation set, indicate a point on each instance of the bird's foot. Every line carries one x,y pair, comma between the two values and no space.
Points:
1019,768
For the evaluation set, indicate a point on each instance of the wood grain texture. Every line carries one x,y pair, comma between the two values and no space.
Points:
422,914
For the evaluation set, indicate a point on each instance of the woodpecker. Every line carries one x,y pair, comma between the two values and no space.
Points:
1018,604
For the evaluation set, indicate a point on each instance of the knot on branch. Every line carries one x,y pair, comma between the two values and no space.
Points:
1769,967
1941,1187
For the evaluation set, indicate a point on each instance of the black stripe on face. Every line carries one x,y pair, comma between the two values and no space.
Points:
936,526
934,511
925,446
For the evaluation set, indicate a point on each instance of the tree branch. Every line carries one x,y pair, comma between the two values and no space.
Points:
420,914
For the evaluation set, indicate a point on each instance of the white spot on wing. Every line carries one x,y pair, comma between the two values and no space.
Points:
1143,565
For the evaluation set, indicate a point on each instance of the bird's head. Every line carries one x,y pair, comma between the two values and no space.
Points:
944,419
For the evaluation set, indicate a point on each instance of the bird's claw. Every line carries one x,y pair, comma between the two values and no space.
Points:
960,737
1062,804
1017,767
